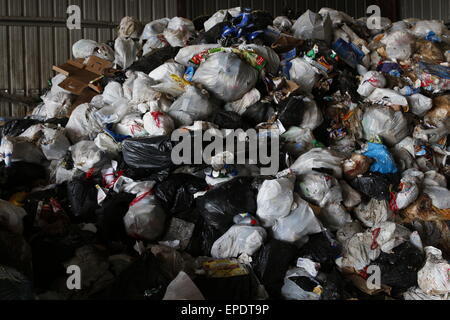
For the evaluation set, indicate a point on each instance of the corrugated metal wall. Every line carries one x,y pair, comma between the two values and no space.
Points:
425,9
27,53
356,8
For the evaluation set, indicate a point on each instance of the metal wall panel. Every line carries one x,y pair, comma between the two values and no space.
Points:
425,9
29,49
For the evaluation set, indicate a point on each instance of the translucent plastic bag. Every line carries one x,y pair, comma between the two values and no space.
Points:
131,125
157,123
84,48
193,105
86,155
371,81
83,124
185,54
318,158
178,31
274,200
433,277
320,189
386,123
239,239
373,212
304,74
182,288
399,45
311,25
272,58
154,28
163,73
226,76
419,104
283,24
424,27
126,52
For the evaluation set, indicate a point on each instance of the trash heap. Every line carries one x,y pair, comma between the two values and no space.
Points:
363,114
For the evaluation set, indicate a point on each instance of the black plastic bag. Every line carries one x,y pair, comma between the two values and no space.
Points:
144,279
228,120
15,253
148,153
258,113
14,286
176,193
270,264
399,269
82,196
291,112
220,205
153,60
21,176
323,249
110,217
15,128
373,186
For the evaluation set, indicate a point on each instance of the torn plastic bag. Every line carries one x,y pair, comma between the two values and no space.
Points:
321,160
275,198
157,123
386,123
126,52
320,189
373,212
83,124
372,186
14,286
146,218
84,48
192,106
399,269
419,104
433,277
130,27
371,81
399,45
176,193
226,76
13,149
384,162
270,264
351,198
82,196
131,125
219,205
239,239
311,25
11,217
304,74
148,153
86,155
298,225
183,288
299,284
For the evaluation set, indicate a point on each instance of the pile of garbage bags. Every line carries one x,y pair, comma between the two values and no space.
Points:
358,208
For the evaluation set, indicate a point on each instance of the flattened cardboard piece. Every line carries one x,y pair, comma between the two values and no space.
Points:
82,75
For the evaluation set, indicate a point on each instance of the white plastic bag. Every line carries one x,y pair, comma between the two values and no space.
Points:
131,125
424,27
304,74
145,219
219,17
386,123
269,55
154,28
182,288
186,53
126,52
86,155
84,48
14,149
320,189
433,278
241,105
387,97
318,158
351,197
226,76
282,23
399,45
82,124
371,81
11,217
178,31
292,291
410,182
419,104
157,123
192,106
440,196
239,239
311,25
274,200
163,72
300,223
373,212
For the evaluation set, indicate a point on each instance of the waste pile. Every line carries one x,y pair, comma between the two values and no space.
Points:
93,205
